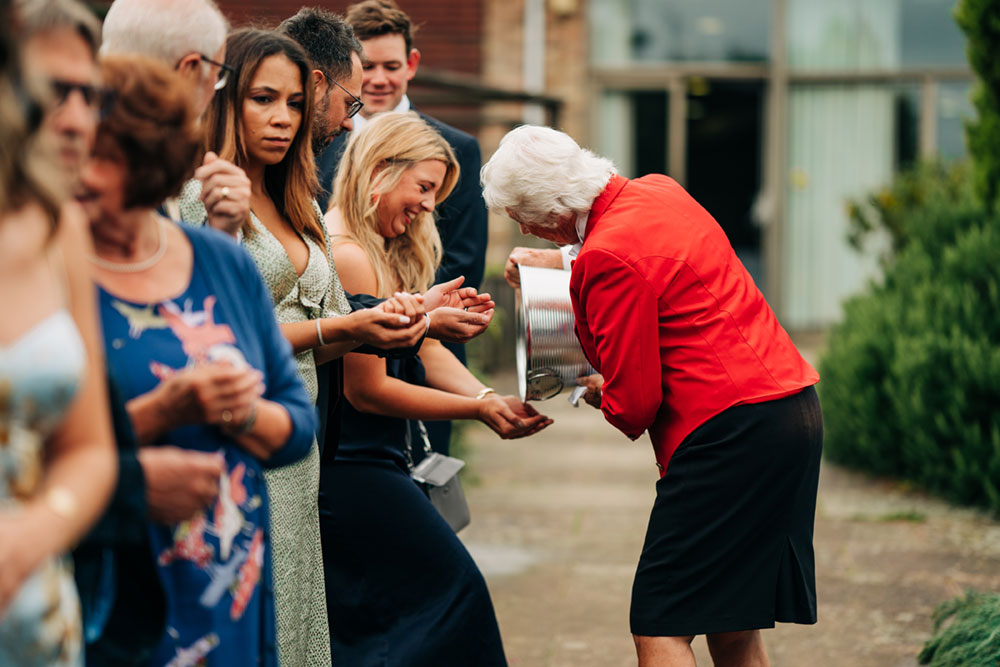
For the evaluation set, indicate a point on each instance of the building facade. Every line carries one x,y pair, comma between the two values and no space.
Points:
772,113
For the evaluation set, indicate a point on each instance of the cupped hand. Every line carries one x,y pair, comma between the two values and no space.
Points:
451,294
377,327
225,192
216,393
510,418
595,388
459,326
179,482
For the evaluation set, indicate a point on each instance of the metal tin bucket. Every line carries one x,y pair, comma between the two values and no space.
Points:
549,356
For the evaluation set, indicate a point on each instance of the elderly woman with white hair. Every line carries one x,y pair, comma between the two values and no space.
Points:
688,350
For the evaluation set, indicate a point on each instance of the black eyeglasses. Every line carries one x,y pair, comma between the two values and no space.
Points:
355,105
224,71
95,97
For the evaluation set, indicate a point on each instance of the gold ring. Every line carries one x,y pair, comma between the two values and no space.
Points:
227,416
225,192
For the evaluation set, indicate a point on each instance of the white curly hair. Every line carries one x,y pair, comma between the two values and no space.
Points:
541,174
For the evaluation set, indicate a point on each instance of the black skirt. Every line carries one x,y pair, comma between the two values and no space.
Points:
729,543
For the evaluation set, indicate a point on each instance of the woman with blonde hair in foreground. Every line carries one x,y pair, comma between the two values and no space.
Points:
400,583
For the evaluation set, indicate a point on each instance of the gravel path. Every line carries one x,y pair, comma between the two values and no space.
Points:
558,522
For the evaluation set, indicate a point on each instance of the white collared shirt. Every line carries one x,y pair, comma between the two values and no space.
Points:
402,107
569,252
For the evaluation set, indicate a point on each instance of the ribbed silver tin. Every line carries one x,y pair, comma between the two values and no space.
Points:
549,356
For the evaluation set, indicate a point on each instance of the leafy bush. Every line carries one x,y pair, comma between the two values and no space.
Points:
911,377
980,21
966,632
926,191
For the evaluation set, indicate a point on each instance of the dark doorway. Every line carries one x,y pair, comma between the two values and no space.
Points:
649,127
724,132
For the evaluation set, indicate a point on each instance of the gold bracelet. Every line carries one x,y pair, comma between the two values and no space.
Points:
61,501
483,393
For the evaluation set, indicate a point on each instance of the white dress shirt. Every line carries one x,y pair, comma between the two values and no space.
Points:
403,106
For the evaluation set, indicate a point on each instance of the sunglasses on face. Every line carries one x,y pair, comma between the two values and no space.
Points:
97,98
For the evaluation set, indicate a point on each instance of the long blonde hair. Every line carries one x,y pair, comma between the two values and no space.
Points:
373,164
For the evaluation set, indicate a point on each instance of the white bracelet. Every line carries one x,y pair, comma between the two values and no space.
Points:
427,323
483,393
319,333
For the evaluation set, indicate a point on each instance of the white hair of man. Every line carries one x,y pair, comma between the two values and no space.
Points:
541,174
166,30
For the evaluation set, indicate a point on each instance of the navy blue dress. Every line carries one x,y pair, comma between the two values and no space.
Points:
401,587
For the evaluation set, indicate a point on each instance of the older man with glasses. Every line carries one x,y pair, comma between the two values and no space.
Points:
190,35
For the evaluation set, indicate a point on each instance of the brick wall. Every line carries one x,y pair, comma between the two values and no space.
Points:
449,35
566,77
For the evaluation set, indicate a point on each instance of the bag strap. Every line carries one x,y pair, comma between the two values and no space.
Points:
409,445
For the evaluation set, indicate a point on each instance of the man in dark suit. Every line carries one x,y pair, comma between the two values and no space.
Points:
390,63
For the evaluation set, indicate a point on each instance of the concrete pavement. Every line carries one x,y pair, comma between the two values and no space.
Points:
558,522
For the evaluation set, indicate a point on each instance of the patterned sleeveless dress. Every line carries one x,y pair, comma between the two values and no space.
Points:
40,373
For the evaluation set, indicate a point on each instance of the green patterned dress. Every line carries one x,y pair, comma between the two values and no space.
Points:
299,592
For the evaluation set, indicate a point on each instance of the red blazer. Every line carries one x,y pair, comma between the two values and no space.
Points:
667,314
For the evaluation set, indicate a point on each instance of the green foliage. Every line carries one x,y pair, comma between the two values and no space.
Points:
911,377
890,211
980,21
966,632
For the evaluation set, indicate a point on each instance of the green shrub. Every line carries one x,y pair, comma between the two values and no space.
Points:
980,21
911,377
926,191
966,632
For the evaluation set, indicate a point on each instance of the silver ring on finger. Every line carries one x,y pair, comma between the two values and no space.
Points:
224,192
227,416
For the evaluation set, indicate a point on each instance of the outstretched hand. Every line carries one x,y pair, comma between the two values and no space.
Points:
451,294
459,326
510,418
382,328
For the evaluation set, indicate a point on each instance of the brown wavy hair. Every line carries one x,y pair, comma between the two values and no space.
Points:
292,182
152,125
373,164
